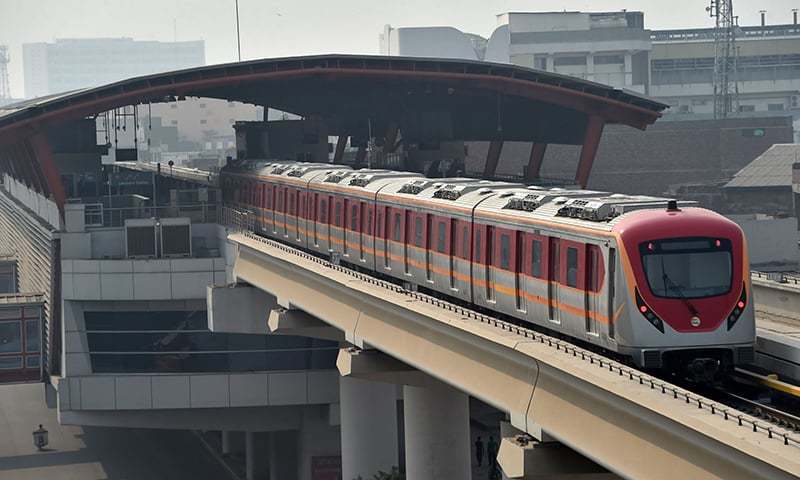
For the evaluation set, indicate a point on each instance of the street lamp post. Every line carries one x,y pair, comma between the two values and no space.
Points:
238,38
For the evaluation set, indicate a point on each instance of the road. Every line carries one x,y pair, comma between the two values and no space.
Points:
92,453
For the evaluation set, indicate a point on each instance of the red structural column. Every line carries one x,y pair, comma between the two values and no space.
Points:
591,140
492,158
535,161
340,144
44,155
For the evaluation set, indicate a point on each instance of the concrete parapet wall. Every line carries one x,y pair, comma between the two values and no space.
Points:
776,298
193,391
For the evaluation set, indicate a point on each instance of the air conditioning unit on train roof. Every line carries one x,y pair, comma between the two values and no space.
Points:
140,238
606,208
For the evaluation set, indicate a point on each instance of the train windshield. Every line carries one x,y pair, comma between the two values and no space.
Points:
688,267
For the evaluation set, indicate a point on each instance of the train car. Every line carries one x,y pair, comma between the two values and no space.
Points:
662,283
350,198
429,223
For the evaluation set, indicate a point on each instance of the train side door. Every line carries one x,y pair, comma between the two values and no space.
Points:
553,279
594,265
491,260
519,272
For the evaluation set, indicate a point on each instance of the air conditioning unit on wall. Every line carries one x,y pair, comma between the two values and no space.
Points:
176,237
140,238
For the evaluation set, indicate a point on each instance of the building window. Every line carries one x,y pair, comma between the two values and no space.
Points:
202,105
8,278
11,337
175,341
609,60
747,108
569,61
203,121
174,122
775,107
32,336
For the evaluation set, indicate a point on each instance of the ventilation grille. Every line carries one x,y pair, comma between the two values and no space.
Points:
141,241
176,240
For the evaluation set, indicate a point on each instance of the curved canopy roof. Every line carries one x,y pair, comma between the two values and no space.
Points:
427,97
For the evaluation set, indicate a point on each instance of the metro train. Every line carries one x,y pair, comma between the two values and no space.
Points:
661,283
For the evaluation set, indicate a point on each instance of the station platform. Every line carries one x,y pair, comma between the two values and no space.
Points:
778,345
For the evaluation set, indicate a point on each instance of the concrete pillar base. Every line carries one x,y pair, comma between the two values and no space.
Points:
437,435
368,427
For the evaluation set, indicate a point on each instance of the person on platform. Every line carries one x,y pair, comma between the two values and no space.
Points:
491,451
479,451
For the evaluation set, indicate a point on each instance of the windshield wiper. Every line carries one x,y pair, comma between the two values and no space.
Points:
677,288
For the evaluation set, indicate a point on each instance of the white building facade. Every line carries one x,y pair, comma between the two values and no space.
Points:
69,64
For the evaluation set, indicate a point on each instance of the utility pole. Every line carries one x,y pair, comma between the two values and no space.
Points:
238,38
726,85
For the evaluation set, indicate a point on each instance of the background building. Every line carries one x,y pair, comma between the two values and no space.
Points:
69,64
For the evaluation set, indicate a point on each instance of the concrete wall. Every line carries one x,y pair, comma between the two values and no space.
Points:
776,298
770,241
190,391
158,279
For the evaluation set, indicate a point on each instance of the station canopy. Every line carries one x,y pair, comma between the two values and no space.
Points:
427,98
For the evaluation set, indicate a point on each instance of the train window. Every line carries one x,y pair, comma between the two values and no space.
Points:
418,231
269,198
354,218
323,211
536,258
595,265
572,267
478,248
369,221
337,216
440,244
465,242
397,227
280,201
555,260
505,252
291,204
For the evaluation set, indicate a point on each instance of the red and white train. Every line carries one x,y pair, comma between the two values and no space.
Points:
667,286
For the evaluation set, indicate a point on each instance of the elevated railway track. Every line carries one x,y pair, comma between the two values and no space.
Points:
636,425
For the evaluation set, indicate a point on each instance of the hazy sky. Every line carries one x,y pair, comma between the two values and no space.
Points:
271,28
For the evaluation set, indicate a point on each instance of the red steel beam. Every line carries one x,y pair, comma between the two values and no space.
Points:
492,158
44,156
591,140
535,161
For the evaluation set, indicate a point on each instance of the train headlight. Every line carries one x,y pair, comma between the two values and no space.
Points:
648,313
733,317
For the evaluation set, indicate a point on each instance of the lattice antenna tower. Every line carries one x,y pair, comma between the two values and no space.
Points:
5,87
726,85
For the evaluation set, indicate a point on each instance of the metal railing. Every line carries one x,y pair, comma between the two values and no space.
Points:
779,277
96,215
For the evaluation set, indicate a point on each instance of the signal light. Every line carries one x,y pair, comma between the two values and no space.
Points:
733,317
647,313
718,242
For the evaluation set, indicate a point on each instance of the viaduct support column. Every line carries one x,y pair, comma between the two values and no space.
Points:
368,426
436,433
